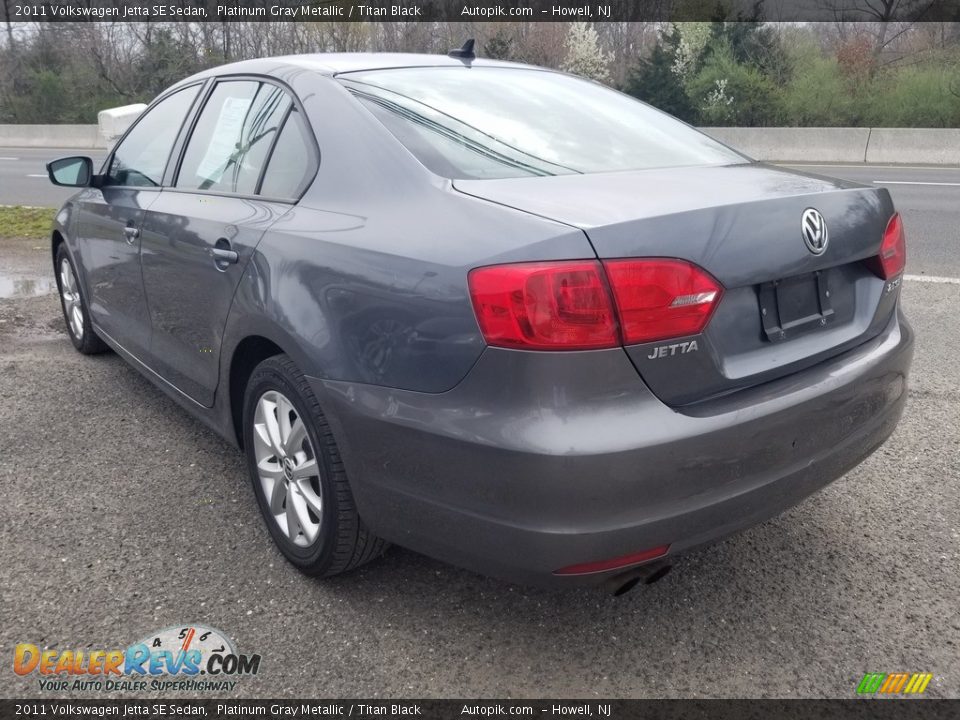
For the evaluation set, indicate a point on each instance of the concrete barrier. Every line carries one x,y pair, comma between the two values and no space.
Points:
846,145
51,136
922,146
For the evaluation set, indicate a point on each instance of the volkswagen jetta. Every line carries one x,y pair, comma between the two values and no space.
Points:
500,315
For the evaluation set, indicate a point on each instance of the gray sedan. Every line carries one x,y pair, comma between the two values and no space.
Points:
500,315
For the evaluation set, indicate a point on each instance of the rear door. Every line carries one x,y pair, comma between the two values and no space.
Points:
199,234
110,221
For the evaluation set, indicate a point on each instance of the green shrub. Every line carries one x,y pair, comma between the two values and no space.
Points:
819,95
729,93
915,96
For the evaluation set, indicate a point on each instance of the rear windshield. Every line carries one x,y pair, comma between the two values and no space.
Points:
487,122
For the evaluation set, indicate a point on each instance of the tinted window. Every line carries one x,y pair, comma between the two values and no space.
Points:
232,137
485,122
142,156
290,162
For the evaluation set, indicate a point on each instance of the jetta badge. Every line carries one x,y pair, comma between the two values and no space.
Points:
814,230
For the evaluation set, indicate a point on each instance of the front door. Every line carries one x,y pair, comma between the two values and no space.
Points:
110,222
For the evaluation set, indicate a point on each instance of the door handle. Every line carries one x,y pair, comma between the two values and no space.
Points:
131,233
222,257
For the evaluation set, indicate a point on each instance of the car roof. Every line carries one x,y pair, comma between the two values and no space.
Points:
335,63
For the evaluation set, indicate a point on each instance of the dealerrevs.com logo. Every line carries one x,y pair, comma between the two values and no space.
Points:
190,658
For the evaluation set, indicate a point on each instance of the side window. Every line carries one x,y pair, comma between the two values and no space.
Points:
289,165
142,156
232,137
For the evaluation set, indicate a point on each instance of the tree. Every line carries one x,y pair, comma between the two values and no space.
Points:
659,81
750,41
584,56
890,18
499,47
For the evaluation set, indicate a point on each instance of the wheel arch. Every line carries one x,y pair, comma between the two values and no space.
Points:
56,240
248,353
62,221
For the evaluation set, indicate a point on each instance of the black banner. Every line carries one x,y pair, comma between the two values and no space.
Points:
479,10
863,709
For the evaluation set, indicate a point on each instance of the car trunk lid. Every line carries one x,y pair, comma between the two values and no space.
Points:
784,307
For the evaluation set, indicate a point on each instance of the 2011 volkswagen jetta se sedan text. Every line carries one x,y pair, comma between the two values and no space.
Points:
497,314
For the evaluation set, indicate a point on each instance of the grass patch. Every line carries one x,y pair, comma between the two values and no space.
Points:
26,222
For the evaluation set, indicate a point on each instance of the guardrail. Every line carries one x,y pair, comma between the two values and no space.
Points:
906,146
51,136
921,146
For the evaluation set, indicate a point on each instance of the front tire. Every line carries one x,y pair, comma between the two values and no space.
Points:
298,477
76,313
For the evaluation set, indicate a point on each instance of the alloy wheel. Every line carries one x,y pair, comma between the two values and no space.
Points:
287,468
72,306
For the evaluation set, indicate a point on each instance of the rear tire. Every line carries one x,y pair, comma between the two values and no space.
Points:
76,313
297,474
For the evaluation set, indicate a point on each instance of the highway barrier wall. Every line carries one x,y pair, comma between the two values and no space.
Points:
891,146
80,137
921,146
840,145
907,146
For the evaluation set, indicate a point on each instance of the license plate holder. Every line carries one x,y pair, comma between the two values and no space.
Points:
794,305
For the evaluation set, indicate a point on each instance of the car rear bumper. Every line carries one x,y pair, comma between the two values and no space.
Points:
539,461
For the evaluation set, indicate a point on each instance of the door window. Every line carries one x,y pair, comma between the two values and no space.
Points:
141,157
233,135
290,163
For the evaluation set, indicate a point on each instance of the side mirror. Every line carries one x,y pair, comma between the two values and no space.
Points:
71,171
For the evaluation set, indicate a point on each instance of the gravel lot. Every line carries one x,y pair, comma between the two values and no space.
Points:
120,515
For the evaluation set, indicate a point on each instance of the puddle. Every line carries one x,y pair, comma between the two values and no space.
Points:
18,286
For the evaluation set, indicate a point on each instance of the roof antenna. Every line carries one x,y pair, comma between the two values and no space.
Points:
464,53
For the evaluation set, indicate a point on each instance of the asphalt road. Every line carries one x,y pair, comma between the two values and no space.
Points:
23,175
119,515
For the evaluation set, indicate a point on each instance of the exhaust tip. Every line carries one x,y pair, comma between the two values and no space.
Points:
627,586
649,574
658,574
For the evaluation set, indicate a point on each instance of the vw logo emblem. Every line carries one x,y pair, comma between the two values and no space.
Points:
814,230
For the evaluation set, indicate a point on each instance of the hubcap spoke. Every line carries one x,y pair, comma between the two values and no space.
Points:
307,526
270,469
283,421
294,441
262,440
311,497
306,469
278,493
293,524
273,429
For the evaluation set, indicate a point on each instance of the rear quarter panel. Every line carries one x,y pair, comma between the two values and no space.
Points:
365,279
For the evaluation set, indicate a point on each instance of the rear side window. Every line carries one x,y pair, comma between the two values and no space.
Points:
290,164
141,157
232,137
494,122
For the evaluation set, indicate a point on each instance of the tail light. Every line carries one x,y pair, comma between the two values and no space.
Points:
893,250
544,306
568,305
661,298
